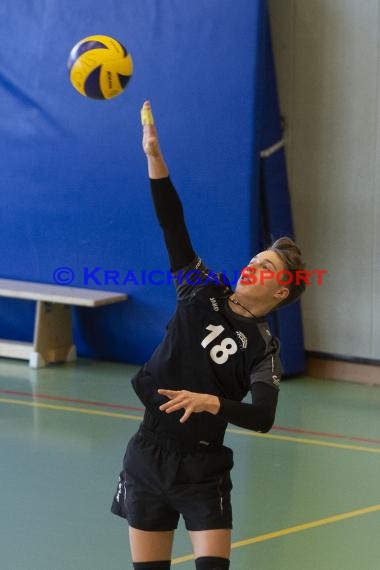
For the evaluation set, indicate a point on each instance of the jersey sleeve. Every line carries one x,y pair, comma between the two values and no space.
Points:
265,380
258,416
268,370
169,212
188,270
194,275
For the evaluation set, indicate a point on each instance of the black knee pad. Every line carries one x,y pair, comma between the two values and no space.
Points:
212,563
159,565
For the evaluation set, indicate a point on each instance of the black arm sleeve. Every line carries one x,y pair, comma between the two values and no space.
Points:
170,216
258,416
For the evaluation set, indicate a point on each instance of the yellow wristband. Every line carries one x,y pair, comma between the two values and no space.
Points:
146,117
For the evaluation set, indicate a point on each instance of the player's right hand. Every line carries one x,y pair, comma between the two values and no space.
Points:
150,142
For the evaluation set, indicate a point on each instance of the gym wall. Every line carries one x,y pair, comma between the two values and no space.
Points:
327,57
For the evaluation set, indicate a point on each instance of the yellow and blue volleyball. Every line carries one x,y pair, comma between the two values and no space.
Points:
100,67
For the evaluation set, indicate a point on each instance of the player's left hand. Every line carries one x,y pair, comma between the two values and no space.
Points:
192,402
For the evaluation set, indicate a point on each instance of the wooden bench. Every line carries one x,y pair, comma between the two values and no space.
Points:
52,339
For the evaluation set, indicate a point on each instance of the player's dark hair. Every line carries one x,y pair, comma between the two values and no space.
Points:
291,257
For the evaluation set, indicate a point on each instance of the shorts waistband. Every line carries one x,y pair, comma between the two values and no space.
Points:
166,442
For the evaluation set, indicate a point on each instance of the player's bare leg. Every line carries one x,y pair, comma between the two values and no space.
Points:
211,542
150,546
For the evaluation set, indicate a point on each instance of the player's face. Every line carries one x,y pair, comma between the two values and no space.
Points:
259,278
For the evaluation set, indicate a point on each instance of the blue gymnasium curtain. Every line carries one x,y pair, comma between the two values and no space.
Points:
74,184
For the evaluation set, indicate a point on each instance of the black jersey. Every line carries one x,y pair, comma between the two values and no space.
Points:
207,347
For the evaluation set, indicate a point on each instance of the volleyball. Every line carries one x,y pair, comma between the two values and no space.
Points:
99,67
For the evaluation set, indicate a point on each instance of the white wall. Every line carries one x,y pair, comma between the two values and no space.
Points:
327,56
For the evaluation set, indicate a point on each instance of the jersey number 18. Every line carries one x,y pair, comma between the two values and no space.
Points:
220,352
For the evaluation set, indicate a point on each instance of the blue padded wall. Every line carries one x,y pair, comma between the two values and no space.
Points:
75,189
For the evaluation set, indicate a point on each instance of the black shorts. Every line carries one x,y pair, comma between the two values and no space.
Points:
161,481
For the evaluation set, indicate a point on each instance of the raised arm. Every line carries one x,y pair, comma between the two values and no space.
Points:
166,201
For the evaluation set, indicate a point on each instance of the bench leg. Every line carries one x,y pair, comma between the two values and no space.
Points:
36,360
53,341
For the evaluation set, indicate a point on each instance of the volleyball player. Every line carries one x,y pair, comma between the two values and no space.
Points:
216,350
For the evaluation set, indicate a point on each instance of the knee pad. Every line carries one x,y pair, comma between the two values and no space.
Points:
212,563
159,565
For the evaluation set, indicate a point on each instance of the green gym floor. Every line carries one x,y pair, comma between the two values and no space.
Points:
306,496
